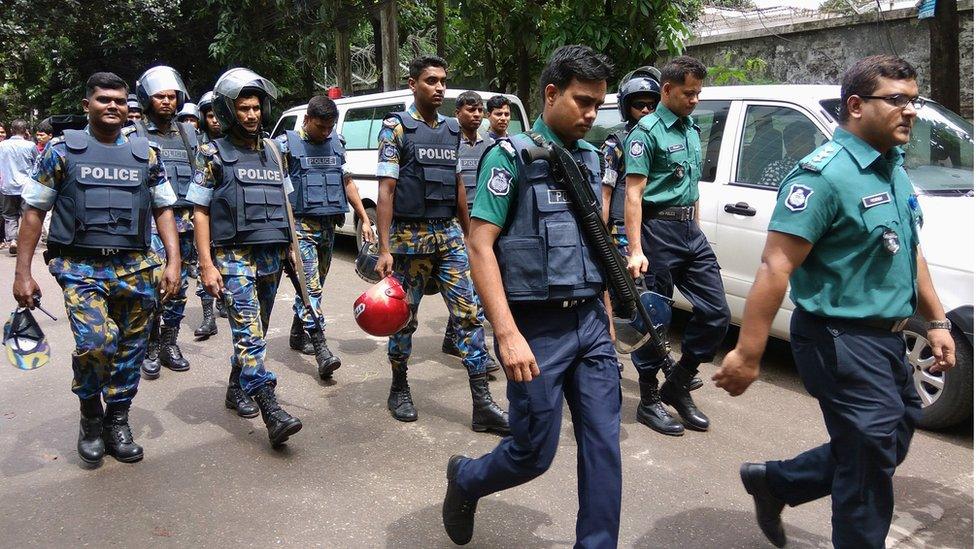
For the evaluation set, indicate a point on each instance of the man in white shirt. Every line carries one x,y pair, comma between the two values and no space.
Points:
17,156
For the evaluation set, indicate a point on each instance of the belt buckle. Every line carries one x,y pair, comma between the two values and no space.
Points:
899,325
108,251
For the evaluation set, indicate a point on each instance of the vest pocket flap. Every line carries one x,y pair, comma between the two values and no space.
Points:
184,171
562,234
274,197
550,200
523,266
254,195
565,255
106,206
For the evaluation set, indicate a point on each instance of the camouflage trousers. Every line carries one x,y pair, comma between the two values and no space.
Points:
316,238
449,269
251,275
109,316
619,235
174,309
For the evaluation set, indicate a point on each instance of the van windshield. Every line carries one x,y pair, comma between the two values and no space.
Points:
939,156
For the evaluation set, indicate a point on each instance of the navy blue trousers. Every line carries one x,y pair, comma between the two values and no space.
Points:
864,384
678,254
578,362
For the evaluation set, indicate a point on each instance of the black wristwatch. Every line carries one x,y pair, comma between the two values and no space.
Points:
940,325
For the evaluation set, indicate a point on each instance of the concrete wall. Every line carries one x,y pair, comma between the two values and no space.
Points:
818,52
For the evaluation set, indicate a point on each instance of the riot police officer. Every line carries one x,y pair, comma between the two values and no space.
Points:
189,114
239,196
845,236
102,189
161,92
315,157
663,166
211,126
542,288
135,110
421,215
209,131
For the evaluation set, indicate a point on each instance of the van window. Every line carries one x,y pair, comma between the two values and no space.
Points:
607,121
710,116
286,123
773,140
361,126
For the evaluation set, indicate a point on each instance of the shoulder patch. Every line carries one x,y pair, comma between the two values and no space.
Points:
126,130
500,182
387,152
208,149
818,159
636,148
798,198
391,122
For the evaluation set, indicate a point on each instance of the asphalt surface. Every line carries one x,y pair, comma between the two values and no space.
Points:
354,477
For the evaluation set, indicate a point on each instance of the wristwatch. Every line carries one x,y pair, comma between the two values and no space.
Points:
940,324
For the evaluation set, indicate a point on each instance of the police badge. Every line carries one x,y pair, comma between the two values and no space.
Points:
500,182
636,149
388,151
798,198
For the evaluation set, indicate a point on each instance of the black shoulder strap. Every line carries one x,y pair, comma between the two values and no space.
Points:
190,155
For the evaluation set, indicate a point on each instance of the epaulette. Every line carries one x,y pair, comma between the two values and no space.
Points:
818,159
647,122
208,149
586,145
505,145
127,130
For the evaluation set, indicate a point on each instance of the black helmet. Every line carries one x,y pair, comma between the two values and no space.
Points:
158,79
230,86
206,102
641,80
366,263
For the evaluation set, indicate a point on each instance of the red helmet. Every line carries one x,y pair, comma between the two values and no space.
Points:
382,310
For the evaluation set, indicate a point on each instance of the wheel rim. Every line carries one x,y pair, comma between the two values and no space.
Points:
928,385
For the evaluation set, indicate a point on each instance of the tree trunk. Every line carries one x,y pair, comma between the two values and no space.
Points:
343,61
439,22
374,22
524,78
391,47
944,55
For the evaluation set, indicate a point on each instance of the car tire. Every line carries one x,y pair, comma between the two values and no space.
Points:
371,214
947,397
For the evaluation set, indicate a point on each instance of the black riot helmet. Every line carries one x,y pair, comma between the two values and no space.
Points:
233,84
159,79
205,103
643,80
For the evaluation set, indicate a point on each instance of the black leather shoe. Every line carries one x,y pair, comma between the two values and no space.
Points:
327,362
400,402
170,354
298,338
486,415
675,393
91,447
118,436
280,423
458,509
150,363
651,411
768,507
237,399
208,326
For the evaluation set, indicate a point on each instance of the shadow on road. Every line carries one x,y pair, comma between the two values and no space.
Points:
708,527
944,514
497,524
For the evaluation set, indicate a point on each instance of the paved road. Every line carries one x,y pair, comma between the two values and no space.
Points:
354,477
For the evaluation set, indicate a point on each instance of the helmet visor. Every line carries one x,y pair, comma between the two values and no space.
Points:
234,81
159,79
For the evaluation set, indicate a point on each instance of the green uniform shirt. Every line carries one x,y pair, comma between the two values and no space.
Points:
859,210
493,201
667,151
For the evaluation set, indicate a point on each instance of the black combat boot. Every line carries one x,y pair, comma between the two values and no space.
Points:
486,415
449,345
91,447
694,384
280,423
327,361
150,363
118,436
298,338
652,413
236,398
208,327
675,393
221,308
491,366
458,509
170,354
400,403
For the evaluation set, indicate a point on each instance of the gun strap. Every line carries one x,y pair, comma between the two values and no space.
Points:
186,145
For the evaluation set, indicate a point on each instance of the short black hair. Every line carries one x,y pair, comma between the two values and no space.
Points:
574,61
680,67
46,127
106,81
467,98
862,78
322,107
418,65
497,102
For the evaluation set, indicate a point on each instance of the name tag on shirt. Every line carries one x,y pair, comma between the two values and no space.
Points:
468,163
676,147
876,199
558,197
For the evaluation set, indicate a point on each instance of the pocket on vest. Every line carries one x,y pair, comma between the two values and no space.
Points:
565,254
523,266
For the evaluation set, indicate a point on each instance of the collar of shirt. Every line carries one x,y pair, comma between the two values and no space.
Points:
541,128
152,127
16,137
412,111
477,139
118,141
495,136
865,154
669,118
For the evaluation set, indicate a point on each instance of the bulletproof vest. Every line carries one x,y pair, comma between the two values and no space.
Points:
542,253
316,173
177,158
468,158
618,197
104,200
427,185
248,204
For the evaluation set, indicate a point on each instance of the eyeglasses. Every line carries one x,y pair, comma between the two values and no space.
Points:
898,100
641,105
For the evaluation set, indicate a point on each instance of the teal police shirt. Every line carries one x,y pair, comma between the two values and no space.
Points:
666,150
859,210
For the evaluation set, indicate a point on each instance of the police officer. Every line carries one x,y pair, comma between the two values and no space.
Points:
161,93
189,114
663,165
211,126
209,131
844,235
102,189
135,110
542,289
239,197
315,157
421,215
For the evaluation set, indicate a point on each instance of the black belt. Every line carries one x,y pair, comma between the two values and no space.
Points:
81,253
554,304
887,325
674,213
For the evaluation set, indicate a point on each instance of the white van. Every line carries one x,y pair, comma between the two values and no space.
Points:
360,120
742,134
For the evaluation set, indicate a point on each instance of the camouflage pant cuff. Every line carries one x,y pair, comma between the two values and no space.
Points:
398,361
